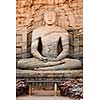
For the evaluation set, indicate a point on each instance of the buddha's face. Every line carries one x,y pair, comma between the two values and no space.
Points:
50,17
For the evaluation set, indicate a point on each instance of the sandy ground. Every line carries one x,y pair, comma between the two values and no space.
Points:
43,98
44,95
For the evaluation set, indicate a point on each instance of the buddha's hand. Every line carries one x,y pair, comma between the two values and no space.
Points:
53,59
44,59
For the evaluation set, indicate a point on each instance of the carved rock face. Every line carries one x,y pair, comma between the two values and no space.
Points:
50,17
50,35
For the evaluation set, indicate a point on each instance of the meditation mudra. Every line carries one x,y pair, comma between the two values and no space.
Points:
50,47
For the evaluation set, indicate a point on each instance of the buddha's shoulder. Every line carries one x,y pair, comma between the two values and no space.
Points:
39,29
60,28
44,27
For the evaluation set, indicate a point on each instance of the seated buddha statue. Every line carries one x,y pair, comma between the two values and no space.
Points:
50,48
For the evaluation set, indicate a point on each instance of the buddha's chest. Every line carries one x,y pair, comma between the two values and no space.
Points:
50,45
50,40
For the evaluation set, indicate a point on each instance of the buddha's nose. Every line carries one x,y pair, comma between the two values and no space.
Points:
50,18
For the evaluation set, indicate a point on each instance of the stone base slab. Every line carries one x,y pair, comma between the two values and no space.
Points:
49,74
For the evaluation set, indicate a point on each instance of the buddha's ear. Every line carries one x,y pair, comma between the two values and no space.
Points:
44,22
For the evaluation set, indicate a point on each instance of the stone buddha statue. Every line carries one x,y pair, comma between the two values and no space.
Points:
50,48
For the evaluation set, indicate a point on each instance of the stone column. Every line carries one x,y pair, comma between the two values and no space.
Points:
24,43
76,44
55,89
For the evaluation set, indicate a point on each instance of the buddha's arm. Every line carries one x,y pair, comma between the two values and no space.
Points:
65,45
35,51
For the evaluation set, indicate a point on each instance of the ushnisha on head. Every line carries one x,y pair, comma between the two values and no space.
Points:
50,17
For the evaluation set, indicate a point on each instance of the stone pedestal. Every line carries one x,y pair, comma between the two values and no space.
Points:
62,74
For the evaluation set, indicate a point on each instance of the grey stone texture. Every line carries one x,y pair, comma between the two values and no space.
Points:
46,42
29,15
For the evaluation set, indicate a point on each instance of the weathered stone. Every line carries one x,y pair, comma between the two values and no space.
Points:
21,87
50,45
31,9
18,39
72,88
18,50
29,16
49,74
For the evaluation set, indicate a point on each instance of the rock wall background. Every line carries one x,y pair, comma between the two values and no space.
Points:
29,15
